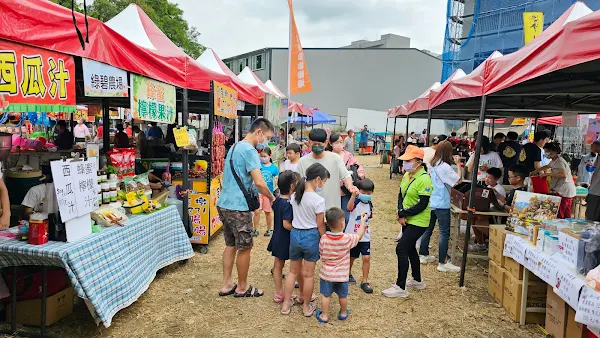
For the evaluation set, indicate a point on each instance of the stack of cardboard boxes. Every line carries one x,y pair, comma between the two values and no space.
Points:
505,281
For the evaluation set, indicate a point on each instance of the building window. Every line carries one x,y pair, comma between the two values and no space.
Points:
258,62
242,64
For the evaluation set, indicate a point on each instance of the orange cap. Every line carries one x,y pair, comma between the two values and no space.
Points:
412,152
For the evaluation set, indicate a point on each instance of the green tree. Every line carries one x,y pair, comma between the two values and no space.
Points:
166,15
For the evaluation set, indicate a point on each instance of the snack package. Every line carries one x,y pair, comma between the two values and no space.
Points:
142,182
130,184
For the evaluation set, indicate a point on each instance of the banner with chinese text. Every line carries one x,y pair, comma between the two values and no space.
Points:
152,100
102,80
225,101
533,25
298,77
33,79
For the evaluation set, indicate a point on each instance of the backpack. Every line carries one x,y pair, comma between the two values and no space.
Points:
355,178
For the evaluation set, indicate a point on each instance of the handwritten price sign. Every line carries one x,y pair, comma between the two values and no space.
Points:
568,286
588,310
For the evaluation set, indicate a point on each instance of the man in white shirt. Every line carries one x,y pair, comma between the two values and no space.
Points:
81,131
42,197
332,162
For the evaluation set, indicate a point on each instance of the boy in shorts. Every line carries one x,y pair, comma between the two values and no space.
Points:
360,204
334,248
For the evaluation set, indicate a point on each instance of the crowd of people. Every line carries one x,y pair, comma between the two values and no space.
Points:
318,206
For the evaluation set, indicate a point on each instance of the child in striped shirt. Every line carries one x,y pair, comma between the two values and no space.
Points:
334,248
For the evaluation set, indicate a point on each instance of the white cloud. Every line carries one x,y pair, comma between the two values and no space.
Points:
233,27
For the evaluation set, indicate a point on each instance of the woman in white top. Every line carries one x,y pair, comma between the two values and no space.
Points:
561,180
308,226
487,159
443,177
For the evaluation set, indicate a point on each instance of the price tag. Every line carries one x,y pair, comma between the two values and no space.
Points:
548,269
588,310
568,286
519,247
181,137
508,245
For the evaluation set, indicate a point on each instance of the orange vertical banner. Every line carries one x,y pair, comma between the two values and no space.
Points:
298,77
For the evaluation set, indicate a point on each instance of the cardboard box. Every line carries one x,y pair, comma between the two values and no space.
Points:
496,281
497,236
574,329
513,267
58,306
496,255
556,314
511,300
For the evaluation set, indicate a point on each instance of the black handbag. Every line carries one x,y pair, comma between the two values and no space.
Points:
355,178
250,195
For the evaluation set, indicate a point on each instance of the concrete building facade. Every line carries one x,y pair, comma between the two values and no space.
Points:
374,75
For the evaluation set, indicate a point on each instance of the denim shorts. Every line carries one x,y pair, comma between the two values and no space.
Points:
328,288
304,244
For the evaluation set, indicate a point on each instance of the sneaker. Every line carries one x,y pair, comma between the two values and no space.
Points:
411,283
477,248
427,259
395,292
268,233
351,280
448,267
255,233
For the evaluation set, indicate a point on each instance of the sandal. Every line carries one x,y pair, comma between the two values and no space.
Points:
366,287
285,313
340,317
251,292
312,307
300,300
278,298
318,315
228,293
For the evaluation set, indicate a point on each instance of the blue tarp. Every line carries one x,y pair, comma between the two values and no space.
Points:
317,118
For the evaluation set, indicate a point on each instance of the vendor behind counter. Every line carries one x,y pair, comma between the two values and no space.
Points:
41,198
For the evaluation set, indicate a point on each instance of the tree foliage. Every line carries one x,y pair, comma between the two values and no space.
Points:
166,15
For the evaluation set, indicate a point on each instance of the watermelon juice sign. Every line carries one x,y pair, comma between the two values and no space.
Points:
152,100
33,79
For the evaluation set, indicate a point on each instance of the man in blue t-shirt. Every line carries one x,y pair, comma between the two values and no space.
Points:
364,140
233,207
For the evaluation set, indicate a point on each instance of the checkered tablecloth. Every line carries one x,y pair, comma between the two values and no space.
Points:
111,269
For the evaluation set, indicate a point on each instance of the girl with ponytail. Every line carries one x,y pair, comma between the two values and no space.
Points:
308,226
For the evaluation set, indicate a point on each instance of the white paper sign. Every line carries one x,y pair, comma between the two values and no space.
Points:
568,248
102,80
588,310
548,269
515,247
568,286
532,260
78,227
65,190
569,119
85,186
75,186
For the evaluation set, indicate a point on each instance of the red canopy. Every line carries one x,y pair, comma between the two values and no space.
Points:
50,26
300,108
559,46
421,102
464,87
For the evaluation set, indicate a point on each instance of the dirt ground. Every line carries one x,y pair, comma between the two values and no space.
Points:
183,301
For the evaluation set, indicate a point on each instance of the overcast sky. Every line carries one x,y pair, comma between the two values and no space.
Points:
233,27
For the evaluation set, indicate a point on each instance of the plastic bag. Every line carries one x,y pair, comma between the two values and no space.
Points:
142,182
592,250
592,279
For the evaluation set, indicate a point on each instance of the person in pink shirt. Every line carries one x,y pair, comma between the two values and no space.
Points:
334,248
336,145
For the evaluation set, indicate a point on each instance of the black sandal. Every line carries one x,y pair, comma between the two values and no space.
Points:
251,292
230,292
366,287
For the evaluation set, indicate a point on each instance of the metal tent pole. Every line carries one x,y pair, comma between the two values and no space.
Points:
256,112
185,161
394,134
106,125
535,125
493,128
470,208
406,135
428,127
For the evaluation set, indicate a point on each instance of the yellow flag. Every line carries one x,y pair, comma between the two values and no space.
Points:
533,25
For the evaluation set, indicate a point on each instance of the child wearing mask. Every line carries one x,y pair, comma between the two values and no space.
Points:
269,172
